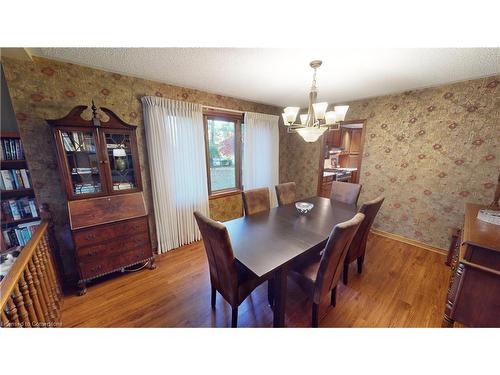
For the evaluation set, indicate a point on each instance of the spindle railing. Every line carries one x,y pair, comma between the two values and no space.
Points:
31,294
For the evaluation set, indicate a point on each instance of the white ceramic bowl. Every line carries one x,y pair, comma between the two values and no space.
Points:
304,207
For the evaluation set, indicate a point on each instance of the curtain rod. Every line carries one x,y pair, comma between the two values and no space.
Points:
221,109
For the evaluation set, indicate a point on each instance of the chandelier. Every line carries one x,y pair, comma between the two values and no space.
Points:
317,119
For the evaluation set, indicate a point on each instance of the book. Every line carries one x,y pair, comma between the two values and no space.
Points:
25,178
22,150
13,154
23,205
19,178
68,143
32,205
6,147
7,179
12,237
2,154
17,142
16,215
16,183
2,185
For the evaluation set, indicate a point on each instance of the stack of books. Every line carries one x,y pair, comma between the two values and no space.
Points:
20,234
19,209
11,149
78,141
11,179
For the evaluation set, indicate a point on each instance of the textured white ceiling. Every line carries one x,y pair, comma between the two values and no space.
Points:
282,76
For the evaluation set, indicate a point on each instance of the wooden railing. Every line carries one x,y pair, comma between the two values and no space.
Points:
30,294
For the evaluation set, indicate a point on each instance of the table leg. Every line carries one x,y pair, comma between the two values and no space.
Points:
279,297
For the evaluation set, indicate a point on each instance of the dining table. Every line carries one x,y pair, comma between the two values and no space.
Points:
269,242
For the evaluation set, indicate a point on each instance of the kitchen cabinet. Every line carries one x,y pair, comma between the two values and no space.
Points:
351,140
334,138
355,146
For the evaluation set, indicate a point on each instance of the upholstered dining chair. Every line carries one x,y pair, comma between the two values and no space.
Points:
345,192
285,193
320,275
227,276
256,200
358,245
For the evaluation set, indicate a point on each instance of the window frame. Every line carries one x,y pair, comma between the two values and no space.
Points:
237,118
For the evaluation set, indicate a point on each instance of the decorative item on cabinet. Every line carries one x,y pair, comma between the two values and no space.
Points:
100,169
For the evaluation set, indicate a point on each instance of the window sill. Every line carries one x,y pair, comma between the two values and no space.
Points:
225,193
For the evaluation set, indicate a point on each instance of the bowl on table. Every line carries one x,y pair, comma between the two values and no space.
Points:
304,207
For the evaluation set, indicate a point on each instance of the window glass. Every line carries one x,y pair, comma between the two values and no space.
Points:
221,136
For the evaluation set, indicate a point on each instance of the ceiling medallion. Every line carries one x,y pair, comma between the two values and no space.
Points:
317,119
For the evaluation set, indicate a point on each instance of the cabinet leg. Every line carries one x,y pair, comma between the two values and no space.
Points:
82,288
152,264
447,322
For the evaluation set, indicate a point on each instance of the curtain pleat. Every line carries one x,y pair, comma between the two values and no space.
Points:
261,152
176,151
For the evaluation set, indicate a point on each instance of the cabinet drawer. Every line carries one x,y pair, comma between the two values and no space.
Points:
113,247
131,257
109,231
92,267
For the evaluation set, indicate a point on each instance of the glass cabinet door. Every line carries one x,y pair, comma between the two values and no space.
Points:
83,163
121,161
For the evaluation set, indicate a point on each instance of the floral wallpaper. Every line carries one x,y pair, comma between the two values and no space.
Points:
46,89
427,151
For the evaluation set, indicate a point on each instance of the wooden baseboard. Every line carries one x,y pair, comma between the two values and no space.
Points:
409,241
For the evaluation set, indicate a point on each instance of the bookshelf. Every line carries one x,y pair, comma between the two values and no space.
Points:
19,209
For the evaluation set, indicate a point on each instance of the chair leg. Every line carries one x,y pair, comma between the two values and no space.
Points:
234,317
345,274
333,299
315,313
270,292
360,261
213,297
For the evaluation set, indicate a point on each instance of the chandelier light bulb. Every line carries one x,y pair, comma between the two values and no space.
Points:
341,111
303,119
291,114
285,119
330,117
320,109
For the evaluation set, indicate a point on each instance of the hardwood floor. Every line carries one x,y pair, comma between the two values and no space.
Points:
401,286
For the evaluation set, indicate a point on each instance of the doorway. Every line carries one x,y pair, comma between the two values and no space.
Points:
341,155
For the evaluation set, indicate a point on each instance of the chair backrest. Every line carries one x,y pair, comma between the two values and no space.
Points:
256,200
285,193
332,260
221,261
345,192
358,244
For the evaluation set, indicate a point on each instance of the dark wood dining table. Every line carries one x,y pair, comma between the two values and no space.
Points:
269,242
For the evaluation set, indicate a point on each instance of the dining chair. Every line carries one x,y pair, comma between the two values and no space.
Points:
345,192
321,274
256,200
227,276
285,193
358,245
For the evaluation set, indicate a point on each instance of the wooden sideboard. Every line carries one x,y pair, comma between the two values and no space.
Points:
474,291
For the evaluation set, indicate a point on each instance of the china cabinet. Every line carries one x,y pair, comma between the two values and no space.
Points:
100,170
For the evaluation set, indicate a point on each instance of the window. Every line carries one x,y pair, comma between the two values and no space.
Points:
223,148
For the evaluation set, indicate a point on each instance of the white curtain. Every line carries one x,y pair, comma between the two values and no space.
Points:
176,150
261,152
